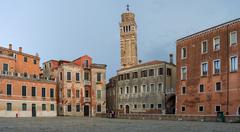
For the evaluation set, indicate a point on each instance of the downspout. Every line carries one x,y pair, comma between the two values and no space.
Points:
228,70
165,84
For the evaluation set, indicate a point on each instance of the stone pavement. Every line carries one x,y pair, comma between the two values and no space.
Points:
78,124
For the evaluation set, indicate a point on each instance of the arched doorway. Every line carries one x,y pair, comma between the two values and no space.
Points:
127,109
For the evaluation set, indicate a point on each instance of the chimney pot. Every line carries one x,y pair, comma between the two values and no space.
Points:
20,49
171,58
10,46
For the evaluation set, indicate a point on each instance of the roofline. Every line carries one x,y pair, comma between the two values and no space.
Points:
23,53
208,29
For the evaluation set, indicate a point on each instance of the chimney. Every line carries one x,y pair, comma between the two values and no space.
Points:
37,54
171,58
10,46
20,49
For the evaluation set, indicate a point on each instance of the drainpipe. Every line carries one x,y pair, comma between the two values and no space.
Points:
165,84
228,70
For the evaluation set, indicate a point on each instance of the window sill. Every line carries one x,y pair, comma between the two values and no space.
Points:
203,76
233,71
216,74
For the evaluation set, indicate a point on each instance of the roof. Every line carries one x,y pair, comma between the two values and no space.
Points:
210,29
154,62
17,52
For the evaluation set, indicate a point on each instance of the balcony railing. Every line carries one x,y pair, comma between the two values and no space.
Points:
86,82
87,99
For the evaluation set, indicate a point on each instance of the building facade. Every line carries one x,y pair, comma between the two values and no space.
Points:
81,86
111,94
147,88
208,71
23,93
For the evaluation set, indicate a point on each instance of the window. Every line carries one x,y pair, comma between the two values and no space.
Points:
69,108
135,106
216,43
218,86
152,106
78,108
216,66
99,94
183,73
200,109
233,38
183,109
44,107
148,88
127,76
24,107
86,93
160,87
152,87
169,72
9,106
99,108
151,72
25,74
217,108
121,90
9,89
99,77
61,76
184,53
43,92
121,106
233,64
85,63
143,106
24,91
86,76
201,88
143,88
51,93
204,47
160,71
5,68
159,106
184,90
135,89
127,90
52,107
69,93
204,69
144,73
33,91
77,77
69,76
135,75
78,93
25,59
34,61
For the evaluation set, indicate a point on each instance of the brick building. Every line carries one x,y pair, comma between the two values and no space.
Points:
208,71
81,86
23,92
111,94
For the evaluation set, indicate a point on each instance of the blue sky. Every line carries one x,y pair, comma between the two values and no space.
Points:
67,29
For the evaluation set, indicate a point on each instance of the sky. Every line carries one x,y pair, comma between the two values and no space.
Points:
68,29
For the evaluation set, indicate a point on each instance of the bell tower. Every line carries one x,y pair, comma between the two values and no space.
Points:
128,39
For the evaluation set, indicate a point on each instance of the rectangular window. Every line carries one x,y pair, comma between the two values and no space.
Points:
85,64
143,106
152,106
34,61
201,88
61,76
86,76
24,107
43,92
183,90
218,86
152,87
184,73
135,75
99,94
217,108
24,91
9,106
69,76
143,88
204,69
233,38
216,66
121,90
78,108
51,93
99,108
233,64
135,89
160,71
99,77
69,93
159,106
52,107
169,72
127,76
184,53
151,72
77,77
135,106
216,43
9,89
44,107
200,109
144,73
183,109
33,91
25,59
5,68
127,90
160,87
69,108
78,93
204,47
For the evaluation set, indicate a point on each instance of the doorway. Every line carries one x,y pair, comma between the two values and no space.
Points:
86,110
34,113
127,109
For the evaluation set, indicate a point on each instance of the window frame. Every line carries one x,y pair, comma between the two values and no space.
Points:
202,48
183,53
236,65
214,43
230,35
214,72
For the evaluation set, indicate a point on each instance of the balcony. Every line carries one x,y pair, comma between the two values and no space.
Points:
87,100
86,82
